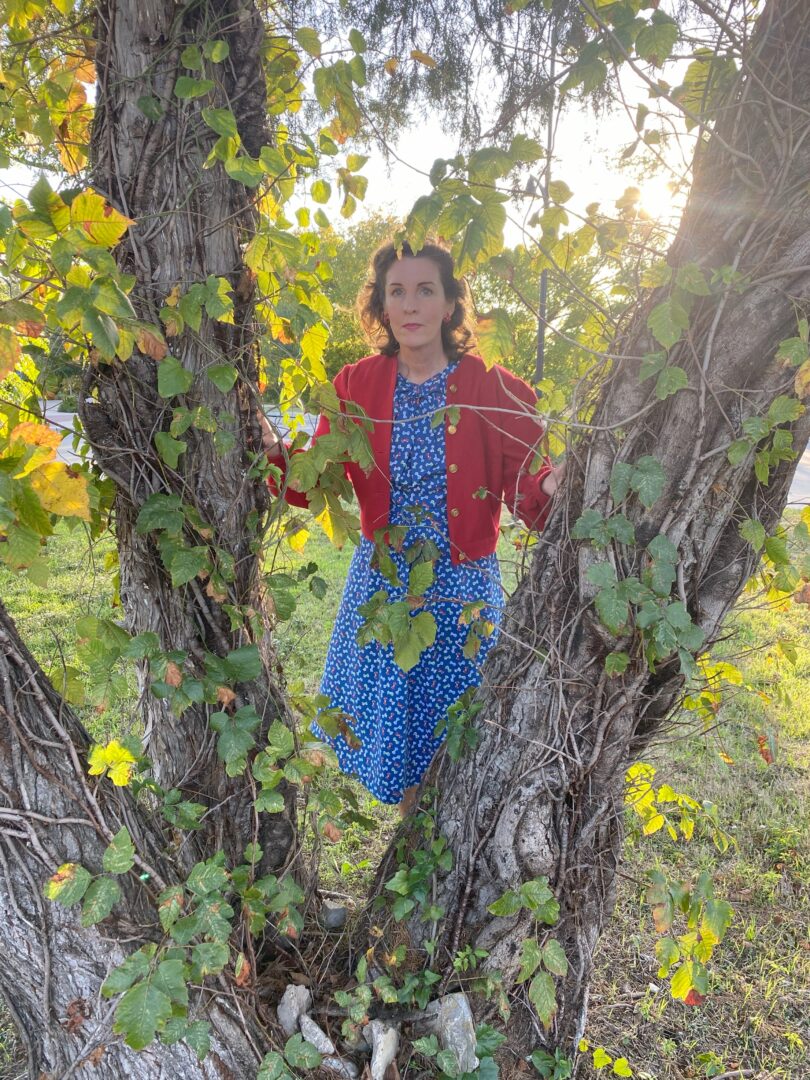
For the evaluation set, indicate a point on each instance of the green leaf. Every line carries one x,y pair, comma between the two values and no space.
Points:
754,532
793,351
170,979
187,88
136,966
612,609
616,663
357,41
119,856
161,512
540,900
191,57
68,885
309,40
530,959
738,451
187,563
244,664
173,378
222,121
170,905
495,333
151,107
321,191
207,877
661,547
620,477
656,41
651,364
103,332
670,381
216,50
544,997
420,578
602,574
301,1054
508,904
210,957
218,302
273,1068
554,959
141,1012
411,635
785,409
667,321
245,170
169,449
648,480
99,900
691,279
236,738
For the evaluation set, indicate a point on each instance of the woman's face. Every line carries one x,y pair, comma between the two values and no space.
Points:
415,302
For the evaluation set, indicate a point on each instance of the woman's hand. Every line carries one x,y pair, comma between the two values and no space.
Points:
269,438
551,481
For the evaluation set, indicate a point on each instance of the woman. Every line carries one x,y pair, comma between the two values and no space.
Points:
441,484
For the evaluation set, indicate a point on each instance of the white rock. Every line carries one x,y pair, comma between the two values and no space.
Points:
312,1033
341,1067
384,1045
457,1030
294,1001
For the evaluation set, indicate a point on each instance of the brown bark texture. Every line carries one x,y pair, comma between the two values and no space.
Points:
51,967
542,795
190,222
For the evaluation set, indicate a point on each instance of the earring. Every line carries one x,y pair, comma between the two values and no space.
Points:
446,319
386,318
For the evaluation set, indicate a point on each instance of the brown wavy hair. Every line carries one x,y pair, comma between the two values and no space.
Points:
458,335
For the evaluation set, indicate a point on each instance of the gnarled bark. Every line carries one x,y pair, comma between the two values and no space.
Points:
542,793
51,968
190,222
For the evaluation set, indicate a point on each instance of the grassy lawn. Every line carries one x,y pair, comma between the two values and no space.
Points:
755,1016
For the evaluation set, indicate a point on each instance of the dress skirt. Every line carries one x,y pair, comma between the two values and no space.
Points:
393,713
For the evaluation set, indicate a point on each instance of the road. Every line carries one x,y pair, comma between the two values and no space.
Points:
799,490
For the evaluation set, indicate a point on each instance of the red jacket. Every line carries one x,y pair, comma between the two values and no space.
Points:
488,450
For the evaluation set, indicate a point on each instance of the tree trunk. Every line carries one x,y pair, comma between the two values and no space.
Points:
542,795
191,221
51,968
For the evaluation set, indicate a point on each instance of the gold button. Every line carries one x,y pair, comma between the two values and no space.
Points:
453,468
455,511
452,388
451,429
461,556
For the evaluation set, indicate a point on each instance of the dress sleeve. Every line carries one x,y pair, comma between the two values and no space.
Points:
521,431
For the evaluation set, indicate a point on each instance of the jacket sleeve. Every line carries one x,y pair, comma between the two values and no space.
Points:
280,457
521,431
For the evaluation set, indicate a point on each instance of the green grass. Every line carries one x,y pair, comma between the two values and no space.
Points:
755,1016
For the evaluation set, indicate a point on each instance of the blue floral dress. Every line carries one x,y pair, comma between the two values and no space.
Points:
392,712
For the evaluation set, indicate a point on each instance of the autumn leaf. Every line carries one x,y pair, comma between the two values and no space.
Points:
331,832
173,675
60,492
151,344
33,434
9,351
803,594
390,66
113,758
764,749
225,696
694,998
801,384
242,970
99,222
423,58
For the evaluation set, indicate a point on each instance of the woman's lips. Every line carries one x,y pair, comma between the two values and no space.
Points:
412,326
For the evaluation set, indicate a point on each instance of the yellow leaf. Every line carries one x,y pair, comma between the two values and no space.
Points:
9,351
60,492
390,66
114,758
99,222
801,383
298,539
423,58
34,434
655,823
